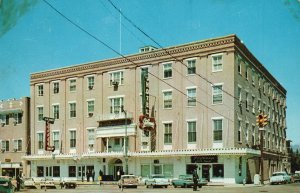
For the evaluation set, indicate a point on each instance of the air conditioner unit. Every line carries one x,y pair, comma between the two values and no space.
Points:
15,150
115,83
15,123
91,114
91,87
2,124
2,150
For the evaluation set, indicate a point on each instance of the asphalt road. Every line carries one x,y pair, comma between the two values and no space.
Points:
287,188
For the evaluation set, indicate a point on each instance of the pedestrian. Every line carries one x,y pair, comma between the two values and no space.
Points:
88,175
18,182
195,179
118,174
100,177
93,175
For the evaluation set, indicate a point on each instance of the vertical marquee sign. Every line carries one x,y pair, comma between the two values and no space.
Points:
48,121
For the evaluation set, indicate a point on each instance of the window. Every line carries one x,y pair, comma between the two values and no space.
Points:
116,78
72,171
191,66
40,113
218,129
115,105
167,99
2,119
168,133
145,170
253,77
18,118
239,65
56,171
18,145
240,94
72,110
40,171
217,62
55,87
72,85
247,100
239,131
73,139
40,90
6,119
90,107
191,97
246,72
91,82
40,140
56,139
5,145
218,170
91,139
192,135
217,94
253,135
157,169
167,68
253,104
247,132
55,111
168,170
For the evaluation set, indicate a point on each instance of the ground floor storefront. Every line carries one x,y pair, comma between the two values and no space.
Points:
11,169
229,166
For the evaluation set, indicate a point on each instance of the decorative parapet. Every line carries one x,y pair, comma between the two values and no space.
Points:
170,153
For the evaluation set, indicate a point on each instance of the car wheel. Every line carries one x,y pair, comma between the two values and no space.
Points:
184,185
174,186
200,186
147,186
166,186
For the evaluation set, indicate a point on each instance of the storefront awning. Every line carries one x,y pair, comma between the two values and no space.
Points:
11,111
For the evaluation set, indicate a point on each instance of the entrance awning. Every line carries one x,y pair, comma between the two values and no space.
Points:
11,111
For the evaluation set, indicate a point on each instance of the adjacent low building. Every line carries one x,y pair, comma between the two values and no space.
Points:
204,97
14,132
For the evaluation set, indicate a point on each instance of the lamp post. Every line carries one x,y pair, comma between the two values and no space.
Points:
125,141
261,155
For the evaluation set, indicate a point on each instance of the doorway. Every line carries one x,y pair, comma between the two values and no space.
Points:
206,172
118,169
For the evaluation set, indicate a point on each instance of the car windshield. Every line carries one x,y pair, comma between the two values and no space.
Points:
158,177
278,174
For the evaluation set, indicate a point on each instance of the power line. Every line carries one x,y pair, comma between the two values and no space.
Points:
123,56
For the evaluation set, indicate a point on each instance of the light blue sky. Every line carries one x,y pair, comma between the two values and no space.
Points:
42,39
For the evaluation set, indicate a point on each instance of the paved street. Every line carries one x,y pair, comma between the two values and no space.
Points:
288,188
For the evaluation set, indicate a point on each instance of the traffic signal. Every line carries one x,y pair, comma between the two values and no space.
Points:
261,120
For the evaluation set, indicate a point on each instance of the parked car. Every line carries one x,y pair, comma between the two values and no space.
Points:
186,181
297,177
29,183
6,185
157,181
280,178
128,181
47,183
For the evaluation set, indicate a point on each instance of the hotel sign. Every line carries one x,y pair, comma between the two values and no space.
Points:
204,159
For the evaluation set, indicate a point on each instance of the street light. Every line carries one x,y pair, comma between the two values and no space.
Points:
125,141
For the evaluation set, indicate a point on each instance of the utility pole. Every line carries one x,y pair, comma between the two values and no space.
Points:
125,141
262,121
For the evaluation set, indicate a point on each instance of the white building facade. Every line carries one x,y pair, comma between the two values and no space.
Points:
204,96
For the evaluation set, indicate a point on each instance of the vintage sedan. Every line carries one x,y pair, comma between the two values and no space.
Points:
47,183
6,185
186,181
157,181
128,181
29,183
280,178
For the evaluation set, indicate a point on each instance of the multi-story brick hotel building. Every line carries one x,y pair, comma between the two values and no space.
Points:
204,96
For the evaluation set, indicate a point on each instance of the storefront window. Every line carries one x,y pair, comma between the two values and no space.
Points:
72,171
40,171
218,170
168,170
157,169
56,171
145,170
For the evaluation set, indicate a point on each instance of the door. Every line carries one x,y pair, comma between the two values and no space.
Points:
206,172
118,171
81,173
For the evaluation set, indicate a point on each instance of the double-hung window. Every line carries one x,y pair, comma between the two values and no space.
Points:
167,99
55,87
72,107
167,68
217,62
40,90
217,92
40,137
116,78
91,82
72,138
56,139
72,85
55,111
115,105
5,145
90,107
91,139
218,129
192,135
18,118
17,145
40,113
191,97
191,66
168,133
